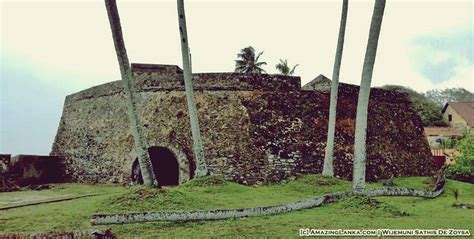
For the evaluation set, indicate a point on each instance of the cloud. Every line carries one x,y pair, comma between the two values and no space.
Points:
444,56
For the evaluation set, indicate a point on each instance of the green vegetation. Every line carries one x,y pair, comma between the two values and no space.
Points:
441,97
368,204
60,216
58,191
429,104
205,181
214,193
427,109
284,68
463,169
247,61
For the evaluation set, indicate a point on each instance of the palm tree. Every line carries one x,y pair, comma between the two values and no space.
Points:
198,149
358,180
140,143
284,68
247,61
328,168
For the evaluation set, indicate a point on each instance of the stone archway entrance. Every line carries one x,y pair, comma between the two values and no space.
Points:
165,166
169,169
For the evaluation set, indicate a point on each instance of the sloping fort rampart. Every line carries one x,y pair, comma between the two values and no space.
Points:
256,128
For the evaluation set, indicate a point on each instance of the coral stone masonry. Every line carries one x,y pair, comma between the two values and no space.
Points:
256,128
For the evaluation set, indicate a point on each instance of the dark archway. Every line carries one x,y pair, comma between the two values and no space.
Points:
165,167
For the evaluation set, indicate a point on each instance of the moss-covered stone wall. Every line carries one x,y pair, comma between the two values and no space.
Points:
255,128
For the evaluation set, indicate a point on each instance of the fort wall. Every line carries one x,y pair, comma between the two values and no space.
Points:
256,128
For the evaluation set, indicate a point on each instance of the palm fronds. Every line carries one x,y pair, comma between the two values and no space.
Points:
247,61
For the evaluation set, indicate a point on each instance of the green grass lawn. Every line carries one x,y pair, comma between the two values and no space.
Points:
214,193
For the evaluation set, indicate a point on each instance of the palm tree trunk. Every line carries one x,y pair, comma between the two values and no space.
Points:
328,168
358,180
136,128
198,149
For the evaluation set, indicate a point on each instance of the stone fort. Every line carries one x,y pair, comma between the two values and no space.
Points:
256,128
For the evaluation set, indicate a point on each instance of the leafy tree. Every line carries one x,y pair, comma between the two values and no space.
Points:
441,97
284,68
428,110
463,167
247,61
328,168
141,146
360,159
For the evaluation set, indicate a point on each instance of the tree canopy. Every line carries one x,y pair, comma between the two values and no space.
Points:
441,97
428,110
284,68
247,61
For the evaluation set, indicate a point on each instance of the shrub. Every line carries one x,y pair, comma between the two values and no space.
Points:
463,168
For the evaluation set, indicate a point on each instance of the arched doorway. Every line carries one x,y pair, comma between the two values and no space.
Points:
165,166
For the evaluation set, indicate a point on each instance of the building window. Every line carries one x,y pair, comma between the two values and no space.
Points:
450,118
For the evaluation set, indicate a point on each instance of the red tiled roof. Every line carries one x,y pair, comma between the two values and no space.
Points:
442,131
464,109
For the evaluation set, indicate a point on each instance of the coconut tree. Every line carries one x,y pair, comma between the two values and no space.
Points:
198,149
140,143
328,158
284,68
358,180
247,61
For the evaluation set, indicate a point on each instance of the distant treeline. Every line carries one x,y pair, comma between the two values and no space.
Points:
429,104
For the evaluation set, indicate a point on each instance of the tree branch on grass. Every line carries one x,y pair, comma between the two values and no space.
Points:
219,214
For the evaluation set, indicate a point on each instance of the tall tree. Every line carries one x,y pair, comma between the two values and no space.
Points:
428,110
441,97
247,61
140,143
284,68
198,149
328,168
358,180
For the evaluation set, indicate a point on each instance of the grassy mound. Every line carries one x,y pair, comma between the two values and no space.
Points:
319,180
143,198
211,180
214,192
364,204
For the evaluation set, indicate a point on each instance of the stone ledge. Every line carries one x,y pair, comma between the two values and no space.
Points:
168,69
153,77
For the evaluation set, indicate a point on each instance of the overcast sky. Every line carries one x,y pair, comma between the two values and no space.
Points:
55,48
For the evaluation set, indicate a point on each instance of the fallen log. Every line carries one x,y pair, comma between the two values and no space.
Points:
385,191
209,215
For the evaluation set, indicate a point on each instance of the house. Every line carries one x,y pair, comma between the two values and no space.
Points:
320,83
459,114
460,117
